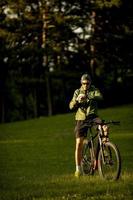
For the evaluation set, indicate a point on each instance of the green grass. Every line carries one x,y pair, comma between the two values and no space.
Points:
37,159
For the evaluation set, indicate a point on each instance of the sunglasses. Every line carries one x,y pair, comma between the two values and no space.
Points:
85,83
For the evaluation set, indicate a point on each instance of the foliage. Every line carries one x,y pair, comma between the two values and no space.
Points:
43,40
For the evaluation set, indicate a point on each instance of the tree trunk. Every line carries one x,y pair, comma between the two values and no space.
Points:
2,109
92,46
44,11
49,99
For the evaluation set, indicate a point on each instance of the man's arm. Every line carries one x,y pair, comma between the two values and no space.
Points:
95,94
74,103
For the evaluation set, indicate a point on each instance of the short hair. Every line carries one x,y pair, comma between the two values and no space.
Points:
85,77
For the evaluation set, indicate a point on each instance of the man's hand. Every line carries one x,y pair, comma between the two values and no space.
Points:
81,98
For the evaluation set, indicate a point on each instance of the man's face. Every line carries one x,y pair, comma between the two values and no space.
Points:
85,85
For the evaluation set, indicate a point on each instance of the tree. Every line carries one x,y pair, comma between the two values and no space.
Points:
46,45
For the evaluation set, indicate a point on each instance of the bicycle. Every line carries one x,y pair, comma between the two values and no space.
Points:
107,155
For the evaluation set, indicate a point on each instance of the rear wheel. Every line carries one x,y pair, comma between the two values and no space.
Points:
109,162
86,163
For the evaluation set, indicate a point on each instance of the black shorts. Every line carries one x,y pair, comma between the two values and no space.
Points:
81,127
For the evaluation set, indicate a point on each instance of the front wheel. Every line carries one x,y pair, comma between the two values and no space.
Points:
109,161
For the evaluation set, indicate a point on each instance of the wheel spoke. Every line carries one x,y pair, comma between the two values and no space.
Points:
109,162
86,163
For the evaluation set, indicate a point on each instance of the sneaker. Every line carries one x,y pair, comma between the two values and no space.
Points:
77,174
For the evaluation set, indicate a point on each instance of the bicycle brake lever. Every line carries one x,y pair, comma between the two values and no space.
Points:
116,122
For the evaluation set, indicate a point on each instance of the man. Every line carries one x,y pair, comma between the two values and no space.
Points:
84,101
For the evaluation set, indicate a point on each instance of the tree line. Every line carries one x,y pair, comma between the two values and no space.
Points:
45,46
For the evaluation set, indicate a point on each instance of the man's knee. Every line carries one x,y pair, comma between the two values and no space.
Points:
79,142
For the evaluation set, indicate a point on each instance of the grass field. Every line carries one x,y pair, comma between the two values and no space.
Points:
37,159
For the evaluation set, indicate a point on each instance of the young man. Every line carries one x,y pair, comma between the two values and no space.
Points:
84,101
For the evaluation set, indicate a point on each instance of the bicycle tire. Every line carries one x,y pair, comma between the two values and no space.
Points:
86,163
111,168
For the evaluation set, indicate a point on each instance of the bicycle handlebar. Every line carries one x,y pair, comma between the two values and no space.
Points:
115,122
106,122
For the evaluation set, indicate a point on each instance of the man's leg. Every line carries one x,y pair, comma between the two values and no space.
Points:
78,155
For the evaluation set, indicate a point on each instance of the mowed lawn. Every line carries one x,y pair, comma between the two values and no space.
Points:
37,159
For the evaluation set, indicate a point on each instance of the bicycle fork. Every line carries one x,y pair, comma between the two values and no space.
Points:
101,144
102,150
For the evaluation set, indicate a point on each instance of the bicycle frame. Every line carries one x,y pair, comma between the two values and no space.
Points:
106,153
